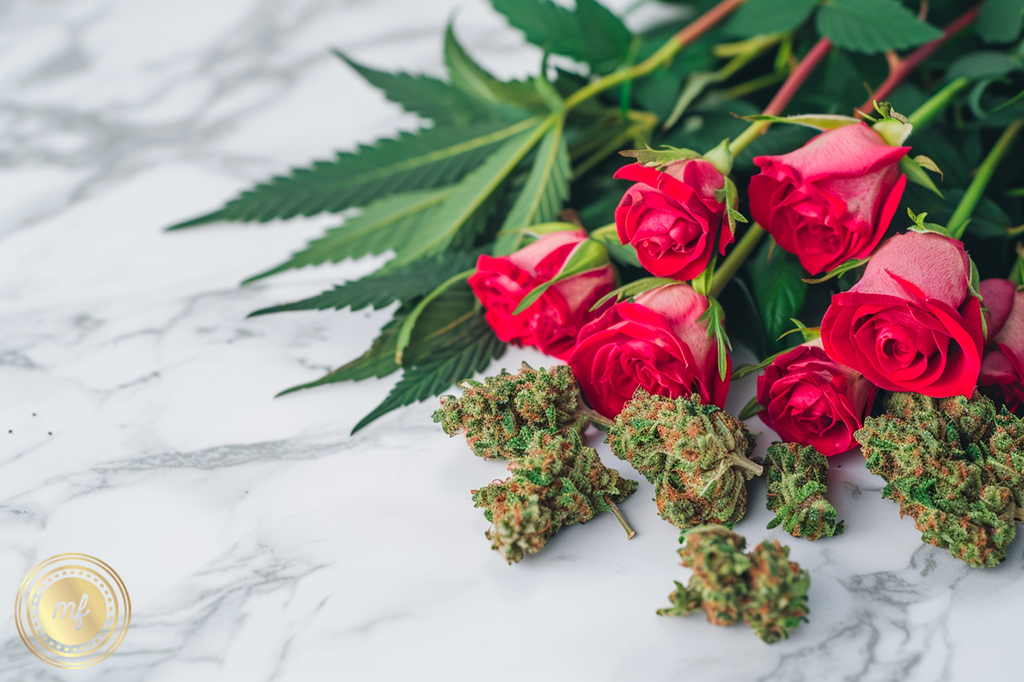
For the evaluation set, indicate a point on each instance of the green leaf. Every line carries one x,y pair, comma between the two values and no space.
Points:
759,17
634,288
619,252
378,361
839,270
588,255
1000,20
461,216
916,174
714,319
590,34
425,159
661,157
745,370
463,354
409,326
429,97
545,191
983,64
779,291
380,227
474,80
872,26
380,289
749,410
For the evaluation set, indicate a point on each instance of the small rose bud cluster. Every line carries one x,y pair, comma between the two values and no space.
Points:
696,456
956,466
797,482
557,482
501,415
764,588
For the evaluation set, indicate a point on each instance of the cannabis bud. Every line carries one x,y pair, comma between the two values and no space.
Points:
696,456
556,482
501,415
763,587
956,466
797,479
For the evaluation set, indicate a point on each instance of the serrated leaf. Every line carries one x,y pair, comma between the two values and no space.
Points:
429,97
462,355
378,228
779,291
378,361
590,34
872,26
476,81
421,160
546,190
380,289
759,17
422,308
460,217
1000,20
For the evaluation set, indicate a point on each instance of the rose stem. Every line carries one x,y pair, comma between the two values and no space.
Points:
622,519
694,30
937,102
748,243
961,216
904,67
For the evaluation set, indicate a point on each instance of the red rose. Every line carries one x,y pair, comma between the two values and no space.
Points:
553,322
672,218
811,399
656,343
831,200
910,323
1002,370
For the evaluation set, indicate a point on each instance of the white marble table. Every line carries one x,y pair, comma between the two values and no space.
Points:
258,540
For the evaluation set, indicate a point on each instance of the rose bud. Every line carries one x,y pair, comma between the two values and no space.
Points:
1002,370
910,324
655,342
811,399
672,217
831,200
553,322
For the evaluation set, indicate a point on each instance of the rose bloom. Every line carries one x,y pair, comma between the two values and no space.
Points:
910,324
1002,370
811,399
672,218
655,342
831,200
553,322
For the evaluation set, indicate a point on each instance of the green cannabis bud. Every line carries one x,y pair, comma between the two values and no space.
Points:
696,456
956,466
763,587
556,482
501,415
797,481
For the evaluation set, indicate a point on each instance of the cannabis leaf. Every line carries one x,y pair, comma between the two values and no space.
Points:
443,103
474,80
380,289
463,353
590,34
421,160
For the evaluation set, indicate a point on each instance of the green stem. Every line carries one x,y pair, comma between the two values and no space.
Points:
665,53
962,215
622,519
937,102
731,265
1017,274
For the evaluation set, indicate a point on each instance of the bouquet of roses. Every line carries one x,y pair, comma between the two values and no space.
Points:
510,221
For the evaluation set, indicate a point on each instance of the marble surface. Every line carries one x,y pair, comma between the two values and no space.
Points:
259,541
